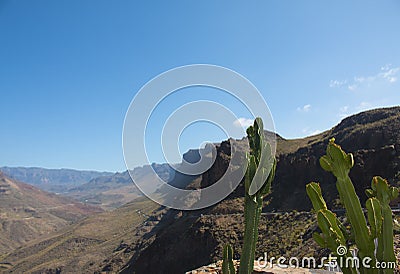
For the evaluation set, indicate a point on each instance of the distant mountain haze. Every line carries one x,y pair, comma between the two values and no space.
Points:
27,212
105,189
54,180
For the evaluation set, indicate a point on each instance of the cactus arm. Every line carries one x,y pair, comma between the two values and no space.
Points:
254,219
258,179
315,194
374,210
319,239
265,166
378,210
227,263
333,231
250,228
259,199
333,234
385,250
253,211
265,190
339,163
250,172
356,216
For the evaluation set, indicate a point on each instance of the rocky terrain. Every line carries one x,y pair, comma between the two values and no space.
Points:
87,245
372,136
109,191
170,241
259,268
27,213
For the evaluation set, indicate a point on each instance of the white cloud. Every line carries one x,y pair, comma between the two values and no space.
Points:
364,106
352,87
387,74
344,112
337,83
305,108
243,122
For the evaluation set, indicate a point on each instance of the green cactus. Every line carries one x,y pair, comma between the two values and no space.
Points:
259,176
384,194
258,179
379,214
227,264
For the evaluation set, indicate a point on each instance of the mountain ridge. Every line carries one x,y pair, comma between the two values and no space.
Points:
27,212
54,180
372,136
171,241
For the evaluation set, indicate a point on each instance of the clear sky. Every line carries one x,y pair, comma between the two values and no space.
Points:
69,69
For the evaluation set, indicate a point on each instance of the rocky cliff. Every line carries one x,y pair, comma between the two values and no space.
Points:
195,238
373,137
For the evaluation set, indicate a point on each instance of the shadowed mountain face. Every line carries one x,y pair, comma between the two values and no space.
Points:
374,139
27,213
169,241
372,136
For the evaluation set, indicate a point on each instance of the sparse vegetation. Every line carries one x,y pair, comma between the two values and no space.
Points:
227,264
374,241
258,179
132,237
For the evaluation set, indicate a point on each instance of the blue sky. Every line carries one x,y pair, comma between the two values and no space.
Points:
69,69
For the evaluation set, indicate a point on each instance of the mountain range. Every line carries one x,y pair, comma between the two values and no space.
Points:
105,189
27,213
143,237
53,180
